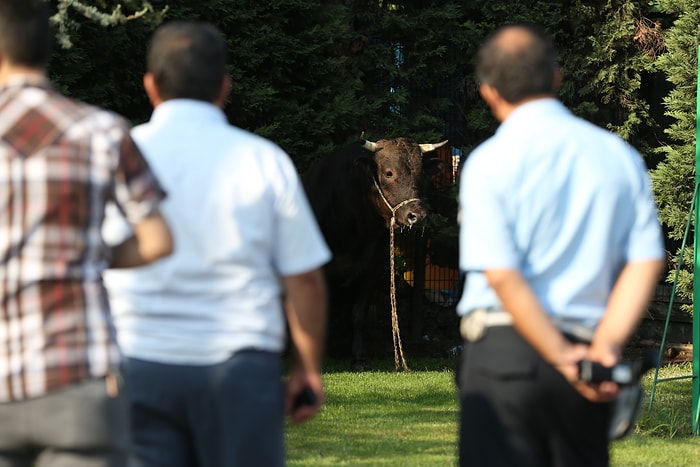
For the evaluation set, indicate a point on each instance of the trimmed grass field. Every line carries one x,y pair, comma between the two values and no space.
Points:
385,418
663,436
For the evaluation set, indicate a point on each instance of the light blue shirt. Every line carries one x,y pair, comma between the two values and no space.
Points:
561,200
240,220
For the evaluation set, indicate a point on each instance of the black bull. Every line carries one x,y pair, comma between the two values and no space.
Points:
354,193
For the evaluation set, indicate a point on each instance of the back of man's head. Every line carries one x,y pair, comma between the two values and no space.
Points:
25,33
520,61
187,61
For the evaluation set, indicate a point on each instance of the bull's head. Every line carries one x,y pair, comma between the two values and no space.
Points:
396,168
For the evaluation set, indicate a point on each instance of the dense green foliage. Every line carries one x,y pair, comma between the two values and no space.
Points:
313,75
102,12
674,178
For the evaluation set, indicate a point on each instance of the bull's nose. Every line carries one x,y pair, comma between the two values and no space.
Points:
413,217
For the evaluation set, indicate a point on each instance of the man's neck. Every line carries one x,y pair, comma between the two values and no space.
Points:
508,108
9,72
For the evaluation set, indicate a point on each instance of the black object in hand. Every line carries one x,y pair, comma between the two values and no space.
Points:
592,372
305,397
624,373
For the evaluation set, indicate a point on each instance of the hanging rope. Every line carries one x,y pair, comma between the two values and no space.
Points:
395,331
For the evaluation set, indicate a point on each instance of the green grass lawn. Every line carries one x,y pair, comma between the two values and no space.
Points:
663,436
382,418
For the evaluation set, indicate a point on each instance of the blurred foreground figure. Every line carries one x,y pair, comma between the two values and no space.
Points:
61,402
562,249
205,328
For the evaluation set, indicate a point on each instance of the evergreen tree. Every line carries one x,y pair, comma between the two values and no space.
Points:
291,61
100,62
102,12
674,177
625,46
294,80
413,67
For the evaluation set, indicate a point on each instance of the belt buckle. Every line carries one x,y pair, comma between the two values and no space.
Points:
473,326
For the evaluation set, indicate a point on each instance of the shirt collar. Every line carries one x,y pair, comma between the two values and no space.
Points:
190,109
26,80
532,111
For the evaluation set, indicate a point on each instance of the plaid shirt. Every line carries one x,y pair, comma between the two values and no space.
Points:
60,161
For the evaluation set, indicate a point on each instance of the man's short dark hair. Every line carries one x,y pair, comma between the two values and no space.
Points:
25,33
521,70
188,60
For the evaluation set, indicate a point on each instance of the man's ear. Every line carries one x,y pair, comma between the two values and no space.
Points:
224,92
556,82
151,88
3,66
488,93
499,107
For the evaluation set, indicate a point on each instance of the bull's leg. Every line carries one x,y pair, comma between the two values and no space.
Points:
364,289
359,317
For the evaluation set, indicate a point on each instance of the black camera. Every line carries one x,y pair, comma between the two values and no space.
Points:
624,373
592,372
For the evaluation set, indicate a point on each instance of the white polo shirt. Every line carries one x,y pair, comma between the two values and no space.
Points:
563,201
240,220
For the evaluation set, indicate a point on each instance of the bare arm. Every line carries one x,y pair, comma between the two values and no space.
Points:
151,240
628,302
306,310
531,320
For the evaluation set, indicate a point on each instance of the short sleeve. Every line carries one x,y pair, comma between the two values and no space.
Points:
299,243
137,191
486,239
646,237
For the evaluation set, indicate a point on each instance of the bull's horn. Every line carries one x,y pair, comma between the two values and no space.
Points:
431,147
370,146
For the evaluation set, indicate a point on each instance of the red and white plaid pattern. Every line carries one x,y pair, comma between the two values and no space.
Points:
60,161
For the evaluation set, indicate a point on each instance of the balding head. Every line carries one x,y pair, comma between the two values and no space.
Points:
519,61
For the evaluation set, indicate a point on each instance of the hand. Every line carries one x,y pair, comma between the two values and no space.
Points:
607,355
296,384
606,391
567,364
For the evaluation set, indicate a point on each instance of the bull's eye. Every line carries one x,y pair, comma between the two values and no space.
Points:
388,174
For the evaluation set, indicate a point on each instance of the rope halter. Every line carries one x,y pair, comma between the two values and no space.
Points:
395,208
396,333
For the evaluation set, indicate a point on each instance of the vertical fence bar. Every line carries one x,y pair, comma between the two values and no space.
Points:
696,260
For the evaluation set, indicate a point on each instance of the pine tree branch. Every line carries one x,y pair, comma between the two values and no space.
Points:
65,24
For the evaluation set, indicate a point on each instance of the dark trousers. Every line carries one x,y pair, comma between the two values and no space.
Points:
223,415
517,410
79,426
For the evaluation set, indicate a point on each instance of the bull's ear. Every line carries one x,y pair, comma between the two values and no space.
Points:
433,165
